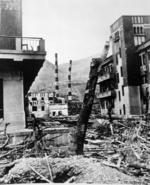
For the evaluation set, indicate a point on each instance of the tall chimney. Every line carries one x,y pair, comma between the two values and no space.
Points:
69,81
56,76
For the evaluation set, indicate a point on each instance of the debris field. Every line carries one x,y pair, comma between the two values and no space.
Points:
123,157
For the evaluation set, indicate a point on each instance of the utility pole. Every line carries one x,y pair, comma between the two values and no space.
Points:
77,138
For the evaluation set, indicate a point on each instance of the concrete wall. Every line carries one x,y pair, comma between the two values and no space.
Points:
58,107
13,103
39,113
11,17
13,99
61,136
130,81
132,100
126,100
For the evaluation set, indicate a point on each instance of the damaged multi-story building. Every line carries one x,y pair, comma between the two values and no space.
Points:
20,60
46,104
125,76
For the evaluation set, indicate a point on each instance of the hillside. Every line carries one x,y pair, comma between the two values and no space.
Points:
46,77
80,68
80,71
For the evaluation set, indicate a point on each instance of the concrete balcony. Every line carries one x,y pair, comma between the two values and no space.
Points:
106,77
109,93
20,48
143,70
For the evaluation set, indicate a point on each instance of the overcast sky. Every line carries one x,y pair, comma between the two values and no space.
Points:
76,29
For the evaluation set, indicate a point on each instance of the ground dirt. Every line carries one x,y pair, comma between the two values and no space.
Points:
85,170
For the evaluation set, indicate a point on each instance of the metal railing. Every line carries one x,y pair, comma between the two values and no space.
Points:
106,76
30,44
106,94
21,43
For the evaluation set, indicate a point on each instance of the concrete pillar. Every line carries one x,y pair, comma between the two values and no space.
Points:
18,44
14,104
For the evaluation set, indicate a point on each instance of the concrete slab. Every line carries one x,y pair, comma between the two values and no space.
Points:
54,136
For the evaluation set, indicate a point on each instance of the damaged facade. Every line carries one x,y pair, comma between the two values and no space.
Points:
124,76
45,104
20,60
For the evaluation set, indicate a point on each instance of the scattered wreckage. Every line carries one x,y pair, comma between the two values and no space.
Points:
125,154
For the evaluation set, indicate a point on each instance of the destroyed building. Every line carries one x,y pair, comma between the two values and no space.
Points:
124,77
20,60
45,104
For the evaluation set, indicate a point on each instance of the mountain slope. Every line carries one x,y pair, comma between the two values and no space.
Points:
80,68
79,76
46,77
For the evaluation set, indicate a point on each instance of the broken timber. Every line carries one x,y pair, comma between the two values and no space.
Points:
77,140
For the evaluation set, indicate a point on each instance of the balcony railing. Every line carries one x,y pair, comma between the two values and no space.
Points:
108,93
106,77
22,43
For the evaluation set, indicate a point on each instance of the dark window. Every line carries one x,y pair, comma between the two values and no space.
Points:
116,35
42,98
42,108
120,52
122,90
102,104
34,99
118,77
120,112
59,113
144,60
116,60
124,109
121,71
119,95
148,55
69,77
50,98
134,30
54,113
34,108
138,30
140,61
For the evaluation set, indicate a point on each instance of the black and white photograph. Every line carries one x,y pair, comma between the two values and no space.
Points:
75,92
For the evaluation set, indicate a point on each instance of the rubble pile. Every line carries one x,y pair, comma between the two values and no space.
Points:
128,150
125,155
59,170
